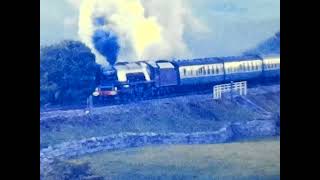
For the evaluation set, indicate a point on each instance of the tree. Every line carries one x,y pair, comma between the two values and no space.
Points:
67,73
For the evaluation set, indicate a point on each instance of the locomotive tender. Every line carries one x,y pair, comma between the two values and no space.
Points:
152,78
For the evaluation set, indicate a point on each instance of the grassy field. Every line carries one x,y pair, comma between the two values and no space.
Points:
258,159
183,114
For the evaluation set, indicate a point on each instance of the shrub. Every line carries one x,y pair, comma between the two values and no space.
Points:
64,170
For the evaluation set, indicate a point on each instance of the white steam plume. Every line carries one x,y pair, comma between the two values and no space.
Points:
146,29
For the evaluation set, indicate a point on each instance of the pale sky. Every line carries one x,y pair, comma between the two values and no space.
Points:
234,25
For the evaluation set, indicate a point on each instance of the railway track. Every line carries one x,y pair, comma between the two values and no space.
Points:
128,101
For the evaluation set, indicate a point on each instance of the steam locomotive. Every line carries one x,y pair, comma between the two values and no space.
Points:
154,78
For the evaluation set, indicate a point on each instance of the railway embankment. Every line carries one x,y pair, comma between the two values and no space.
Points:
196,119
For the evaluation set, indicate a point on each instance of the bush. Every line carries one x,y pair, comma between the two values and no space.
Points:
67,73
64,170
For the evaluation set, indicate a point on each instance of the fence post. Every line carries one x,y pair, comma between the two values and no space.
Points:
245,88
89,105
231,90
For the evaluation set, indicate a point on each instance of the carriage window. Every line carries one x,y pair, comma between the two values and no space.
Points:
248,67
217,69
208,70
184,71
203,71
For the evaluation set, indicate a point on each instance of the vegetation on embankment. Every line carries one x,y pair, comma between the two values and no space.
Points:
197,113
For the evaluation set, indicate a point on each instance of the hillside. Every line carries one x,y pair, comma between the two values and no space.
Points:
196,113
269,46
194,119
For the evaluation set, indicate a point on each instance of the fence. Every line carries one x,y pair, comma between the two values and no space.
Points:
240,87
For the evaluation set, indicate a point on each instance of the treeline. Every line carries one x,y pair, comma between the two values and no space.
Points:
67,73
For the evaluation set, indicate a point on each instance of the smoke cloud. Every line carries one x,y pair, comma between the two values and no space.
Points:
106,44
137,29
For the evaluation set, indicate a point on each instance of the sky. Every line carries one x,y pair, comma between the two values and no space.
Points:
227,27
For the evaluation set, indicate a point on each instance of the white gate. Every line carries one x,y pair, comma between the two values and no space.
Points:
240,87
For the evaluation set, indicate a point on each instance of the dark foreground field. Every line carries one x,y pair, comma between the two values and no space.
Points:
241,160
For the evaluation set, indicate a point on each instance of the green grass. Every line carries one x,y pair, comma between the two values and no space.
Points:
183,114
258,159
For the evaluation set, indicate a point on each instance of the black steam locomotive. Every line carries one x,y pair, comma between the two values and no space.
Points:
154,78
